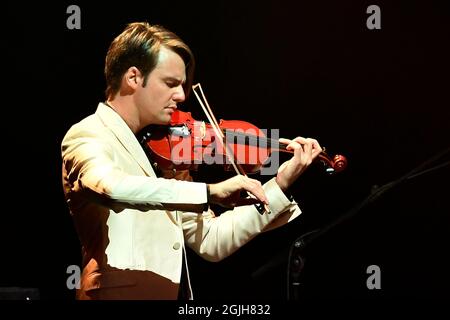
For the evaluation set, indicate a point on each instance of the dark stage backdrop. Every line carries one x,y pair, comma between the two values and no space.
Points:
309,68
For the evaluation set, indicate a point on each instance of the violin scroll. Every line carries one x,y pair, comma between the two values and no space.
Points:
337,164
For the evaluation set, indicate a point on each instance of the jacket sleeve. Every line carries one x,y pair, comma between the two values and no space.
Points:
91,172
215,238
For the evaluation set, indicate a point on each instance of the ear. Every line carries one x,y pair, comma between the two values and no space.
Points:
133,78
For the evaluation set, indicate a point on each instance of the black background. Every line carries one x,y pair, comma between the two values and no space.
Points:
380,97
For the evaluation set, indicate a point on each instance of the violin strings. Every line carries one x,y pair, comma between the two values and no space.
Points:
215,126
257,140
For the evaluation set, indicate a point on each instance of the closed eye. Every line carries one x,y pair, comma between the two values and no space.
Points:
172,82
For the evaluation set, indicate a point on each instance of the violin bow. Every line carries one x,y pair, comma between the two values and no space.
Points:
215,125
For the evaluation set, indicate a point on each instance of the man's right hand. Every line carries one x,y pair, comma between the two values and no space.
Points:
228,193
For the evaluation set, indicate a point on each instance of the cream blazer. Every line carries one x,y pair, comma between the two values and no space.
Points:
133,226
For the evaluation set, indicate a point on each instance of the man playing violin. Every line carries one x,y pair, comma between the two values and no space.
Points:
133,225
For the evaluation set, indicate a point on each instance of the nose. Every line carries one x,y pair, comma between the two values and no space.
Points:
179,95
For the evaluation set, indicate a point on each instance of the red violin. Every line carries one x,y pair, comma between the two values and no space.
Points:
185,143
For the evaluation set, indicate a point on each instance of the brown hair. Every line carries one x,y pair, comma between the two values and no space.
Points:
138,45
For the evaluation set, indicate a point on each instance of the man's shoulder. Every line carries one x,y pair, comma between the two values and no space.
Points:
91,126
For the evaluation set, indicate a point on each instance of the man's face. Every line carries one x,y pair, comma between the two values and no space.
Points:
164,89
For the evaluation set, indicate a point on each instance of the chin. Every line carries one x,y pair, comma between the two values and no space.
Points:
165,120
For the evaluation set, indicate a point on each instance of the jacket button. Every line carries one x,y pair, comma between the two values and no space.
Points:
176,245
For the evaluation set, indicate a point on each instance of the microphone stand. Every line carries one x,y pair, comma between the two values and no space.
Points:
295,260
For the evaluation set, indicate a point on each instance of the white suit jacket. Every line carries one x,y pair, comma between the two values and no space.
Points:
133,226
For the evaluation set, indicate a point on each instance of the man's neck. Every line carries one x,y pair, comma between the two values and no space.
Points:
126,110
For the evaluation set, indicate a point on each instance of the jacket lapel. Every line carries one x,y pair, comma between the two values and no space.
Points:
126,137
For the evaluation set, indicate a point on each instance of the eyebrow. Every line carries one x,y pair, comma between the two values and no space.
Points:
174,79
